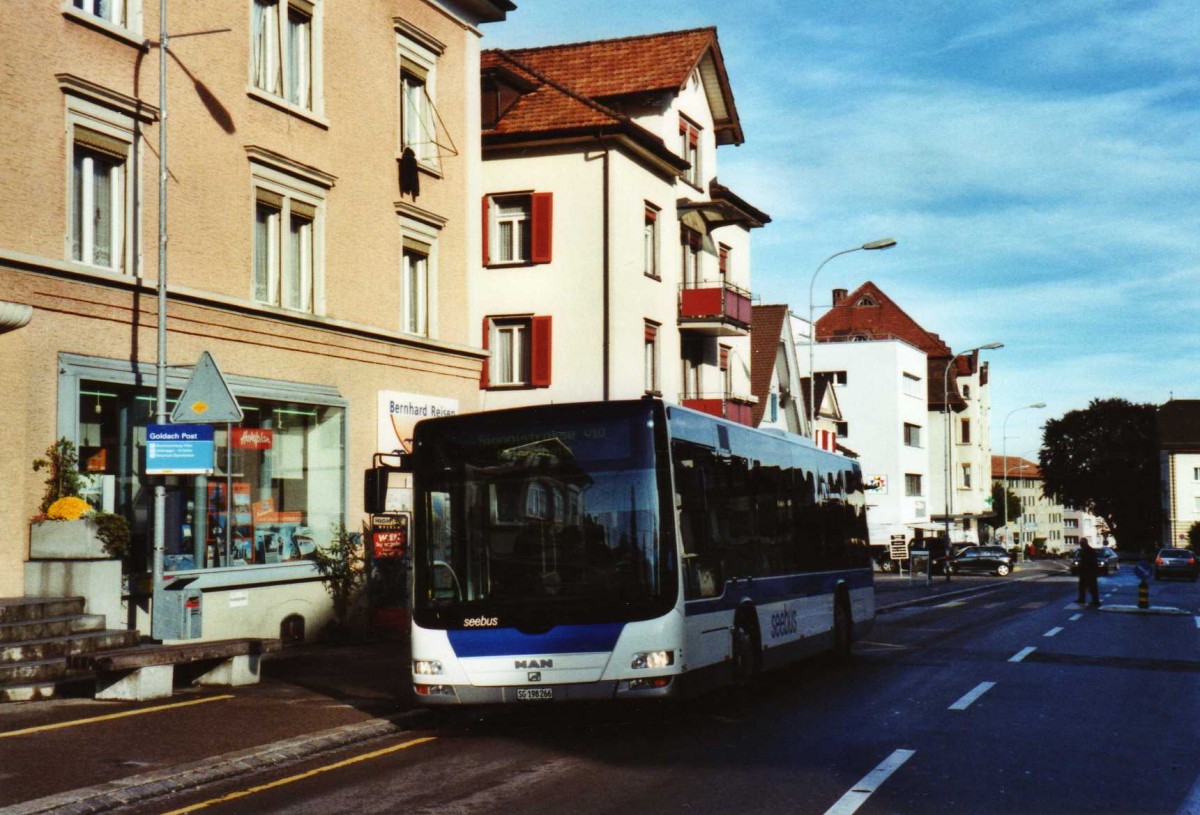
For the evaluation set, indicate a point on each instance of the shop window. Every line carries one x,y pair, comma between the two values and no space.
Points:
274,496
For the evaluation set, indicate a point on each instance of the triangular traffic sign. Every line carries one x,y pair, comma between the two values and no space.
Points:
206,399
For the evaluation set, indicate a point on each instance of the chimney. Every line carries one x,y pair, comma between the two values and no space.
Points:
839,295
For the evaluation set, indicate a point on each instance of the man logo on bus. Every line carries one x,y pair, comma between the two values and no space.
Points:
525,664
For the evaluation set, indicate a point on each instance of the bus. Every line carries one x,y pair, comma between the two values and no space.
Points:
626,550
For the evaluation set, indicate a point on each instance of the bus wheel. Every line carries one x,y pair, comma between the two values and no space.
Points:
745,650
843,628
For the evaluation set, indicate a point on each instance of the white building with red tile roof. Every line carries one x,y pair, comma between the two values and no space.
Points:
614,264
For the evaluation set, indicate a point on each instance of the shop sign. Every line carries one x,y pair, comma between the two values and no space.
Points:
179,449
389,535
399,413
877,484
253,438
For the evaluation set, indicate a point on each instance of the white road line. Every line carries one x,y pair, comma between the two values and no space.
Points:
1075,617
1053,631
1191,804
980,690
1020,655
1198,622
858,795
951,604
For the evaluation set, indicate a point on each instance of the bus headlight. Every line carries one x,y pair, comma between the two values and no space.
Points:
427,667
653,659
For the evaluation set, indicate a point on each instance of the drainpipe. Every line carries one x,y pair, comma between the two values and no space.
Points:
606,341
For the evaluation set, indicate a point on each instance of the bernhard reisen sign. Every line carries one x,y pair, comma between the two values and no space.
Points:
400,412
175,449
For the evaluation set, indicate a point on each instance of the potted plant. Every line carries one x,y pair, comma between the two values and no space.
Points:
342,566
66,526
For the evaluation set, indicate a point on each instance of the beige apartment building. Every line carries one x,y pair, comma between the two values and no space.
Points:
323,178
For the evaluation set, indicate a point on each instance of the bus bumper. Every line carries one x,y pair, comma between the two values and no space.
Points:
435,694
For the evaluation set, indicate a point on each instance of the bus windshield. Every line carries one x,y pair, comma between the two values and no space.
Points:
540,517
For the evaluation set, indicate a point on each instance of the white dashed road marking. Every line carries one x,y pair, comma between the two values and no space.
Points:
1052,631
856,797
1075,617
1020,655
980,690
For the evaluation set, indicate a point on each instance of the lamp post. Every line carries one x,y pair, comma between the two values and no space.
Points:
882,243
949,441
1004,454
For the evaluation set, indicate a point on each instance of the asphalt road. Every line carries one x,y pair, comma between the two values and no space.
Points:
1013,700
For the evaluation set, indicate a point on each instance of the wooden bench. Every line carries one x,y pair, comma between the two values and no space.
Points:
148,671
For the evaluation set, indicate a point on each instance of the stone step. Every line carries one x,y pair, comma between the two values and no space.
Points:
33,672
46,627
20,609
32,692
68,645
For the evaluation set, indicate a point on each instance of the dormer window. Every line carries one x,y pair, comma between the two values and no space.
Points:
866,301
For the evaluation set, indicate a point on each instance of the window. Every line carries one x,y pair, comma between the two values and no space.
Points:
521,351
965,431
650,243
912,435
690,240
726,371
282,50
966,391
283,490
842,428
773,407
723,267
517,228
122,13
99,206
1071,523
912,484
417,130
912,385
837,377
966,476
1196,473
415,284
651,357
689,148
693,363
284,249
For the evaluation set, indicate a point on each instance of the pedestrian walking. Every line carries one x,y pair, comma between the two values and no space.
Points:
1089,570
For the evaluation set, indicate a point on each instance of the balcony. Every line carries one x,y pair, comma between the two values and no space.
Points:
734,408
715,309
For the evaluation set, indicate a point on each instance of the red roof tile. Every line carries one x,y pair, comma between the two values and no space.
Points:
1017,467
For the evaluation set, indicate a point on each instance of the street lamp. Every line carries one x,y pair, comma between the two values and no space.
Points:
1004,455
991,346
882,243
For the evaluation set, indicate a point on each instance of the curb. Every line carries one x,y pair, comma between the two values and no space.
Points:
113,794
1170,611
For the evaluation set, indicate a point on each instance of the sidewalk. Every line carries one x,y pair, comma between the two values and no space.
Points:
312,699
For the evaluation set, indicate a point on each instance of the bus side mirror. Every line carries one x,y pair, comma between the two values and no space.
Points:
376,481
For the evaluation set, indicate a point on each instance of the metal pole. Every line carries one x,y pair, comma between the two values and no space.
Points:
949,454
160,376
812,342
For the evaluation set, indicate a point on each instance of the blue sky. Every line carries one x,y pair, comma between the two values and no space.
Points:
1039,164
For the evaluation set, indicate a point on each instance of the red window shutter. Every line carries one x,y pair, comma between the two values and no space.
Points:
543,226
724,357
651,214
486,257
487,330
651,332
540,352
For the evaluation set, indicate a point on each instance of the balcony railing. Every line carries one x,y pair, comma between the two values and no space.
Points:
727,406
716,308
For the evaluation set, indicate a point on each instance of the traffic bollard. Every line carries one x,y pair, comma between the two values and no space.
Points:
1143,595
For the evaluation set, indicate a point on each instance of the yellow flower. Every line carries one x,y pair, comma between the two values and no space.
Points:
68,509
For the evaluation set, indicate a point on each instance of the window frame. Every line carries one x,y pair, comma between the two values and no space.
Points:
111,132
689,150
272,76
293,198
908,485
651,242
651,359
690,243
537,238
125,20
912,435
417,56
964,430
532,351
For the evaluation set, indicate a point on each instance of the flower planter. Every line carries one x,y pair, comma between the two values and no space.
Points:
65,540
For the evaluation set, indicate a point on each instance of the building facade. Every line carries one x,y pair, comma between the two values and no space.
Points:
1044,522
614,264
1179,458
955,391
322,161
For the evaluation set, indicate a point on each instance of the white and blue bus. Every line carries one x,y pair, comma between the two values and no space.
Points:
626,550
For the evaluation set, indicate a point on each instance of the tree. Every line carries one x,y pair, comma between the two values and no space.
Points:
1104,460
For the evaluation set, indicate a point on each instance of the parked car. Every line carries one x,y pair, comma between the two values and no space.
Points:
1106,560
1176,562
990,559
